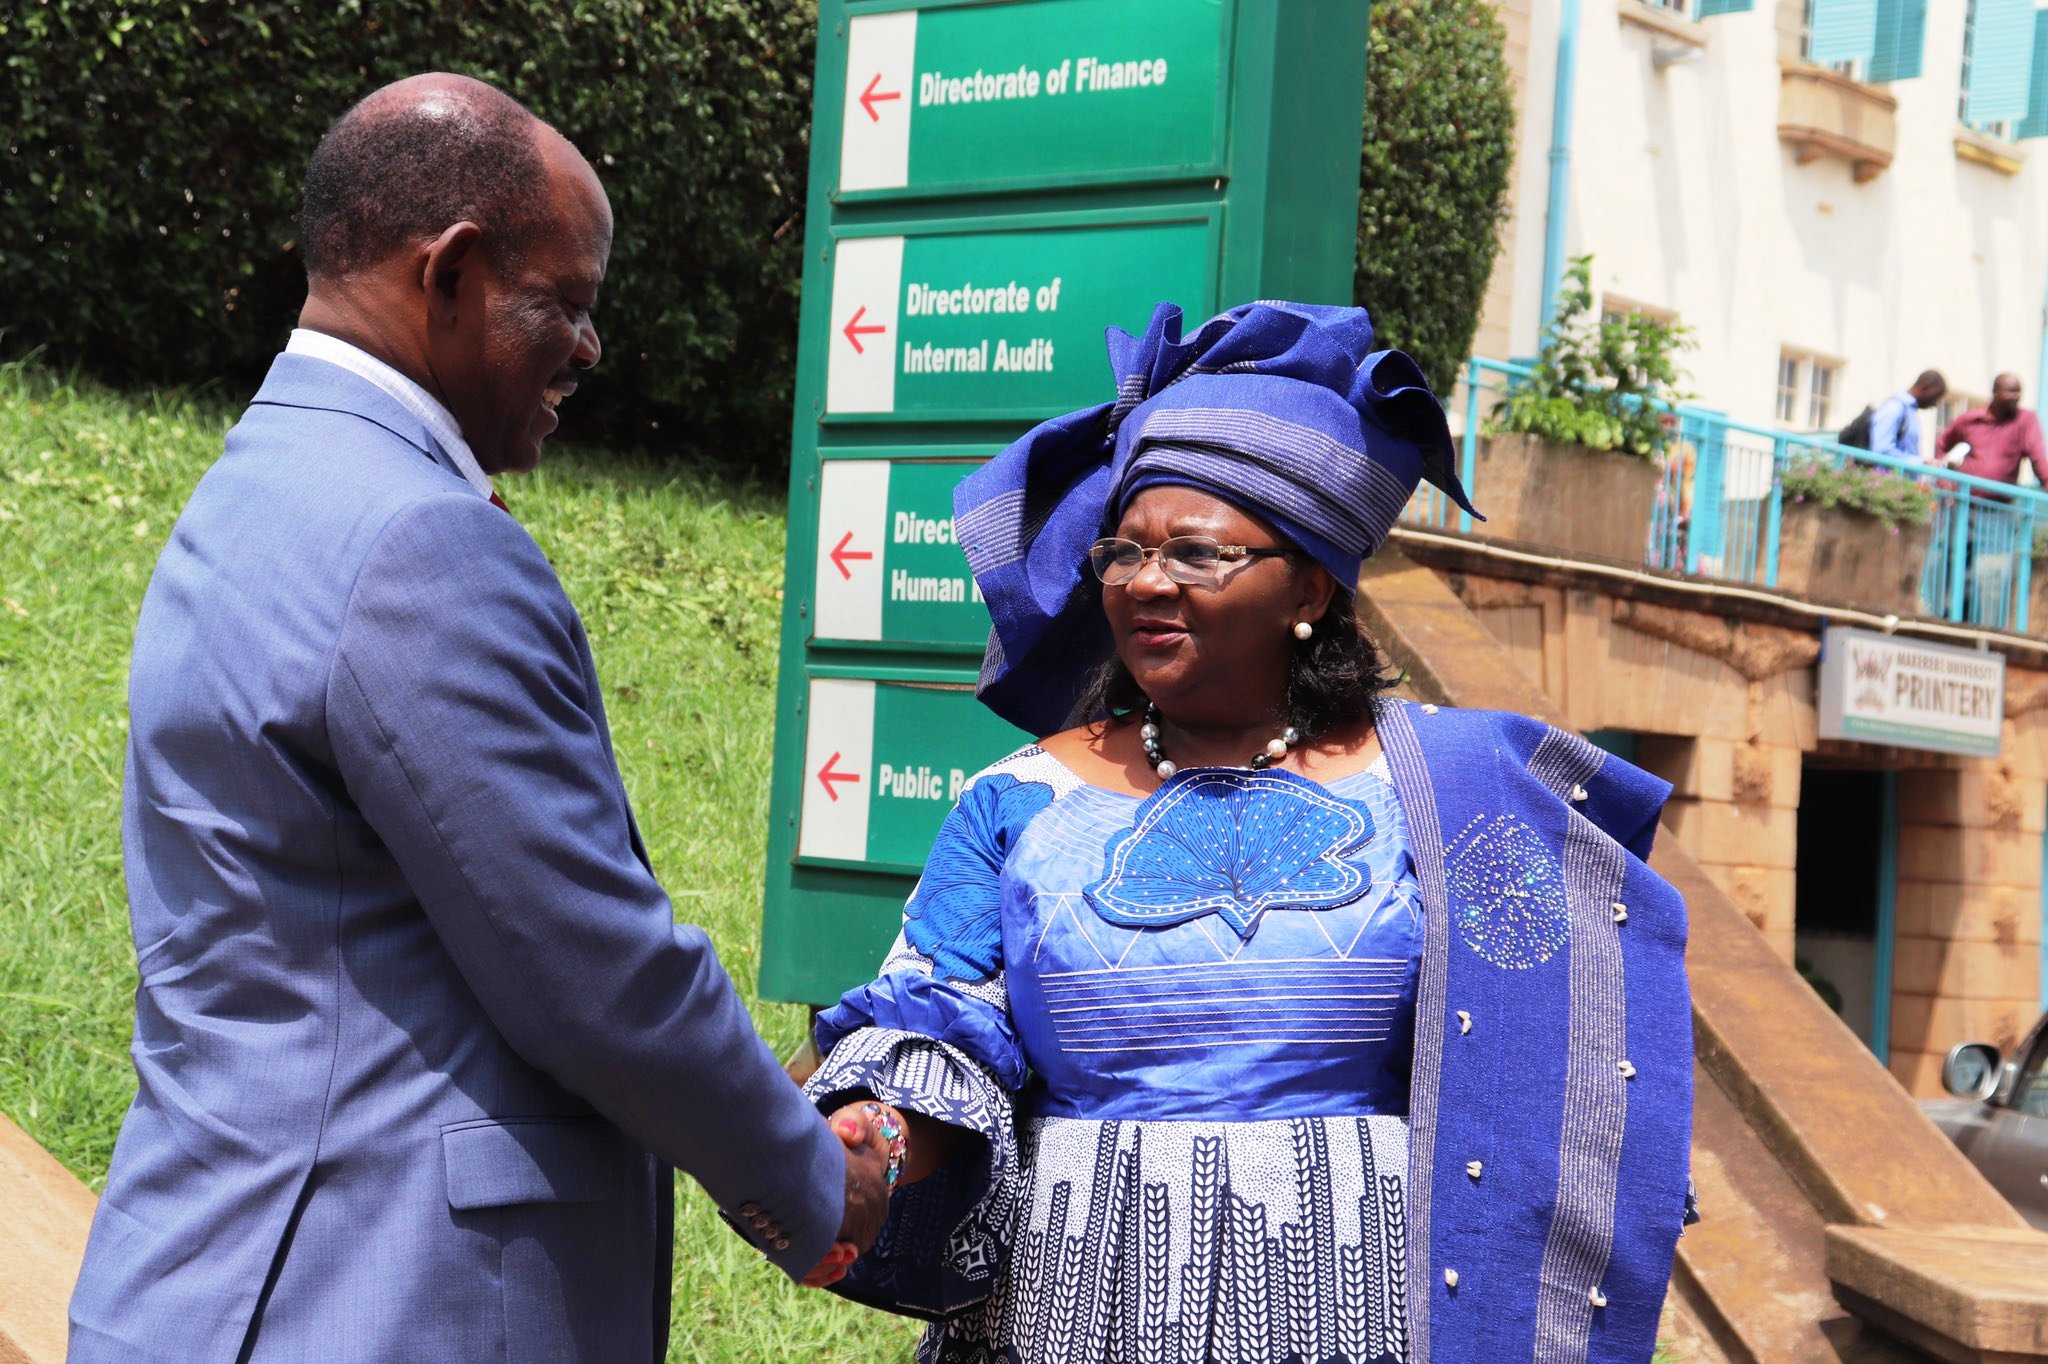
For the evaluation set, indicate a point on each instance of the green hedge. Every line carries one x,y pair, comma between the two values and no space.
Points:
151,154
1439,142
150,159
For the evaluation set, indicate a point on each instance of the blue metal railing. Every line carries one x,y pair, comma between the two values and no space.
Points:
1719,511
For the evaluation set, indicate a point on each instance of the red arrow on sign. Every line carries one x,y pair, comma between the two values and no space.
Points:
853,331
840,554
826,776
869,97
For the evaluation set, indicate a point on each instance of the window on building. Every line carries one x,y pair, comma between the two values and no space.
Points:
2000,128
1808,385
1955,405
1615,308
1969,46
1852,69
1674,6
1820,393
1790,369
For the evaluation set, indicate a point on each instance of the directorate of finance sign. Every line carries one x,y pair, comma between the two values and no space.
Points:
1005,322
984,97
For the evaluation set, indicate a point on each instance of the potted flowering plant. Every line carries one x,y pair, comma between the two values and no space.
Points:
1854,533
1571,457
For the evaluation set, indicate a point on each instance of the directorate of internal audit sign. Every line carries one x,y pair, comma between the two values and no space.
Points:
1004,321
1911,694
977,97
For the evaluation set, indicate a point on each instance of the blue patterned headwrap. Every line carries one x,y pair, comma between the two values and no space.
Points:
1282,409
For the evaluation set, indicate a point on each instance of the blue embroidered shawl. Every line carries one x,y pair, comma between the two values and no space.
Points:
1573,1085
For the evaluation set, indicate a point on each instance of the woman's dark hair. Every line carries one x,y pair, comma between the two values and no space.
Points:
1334,679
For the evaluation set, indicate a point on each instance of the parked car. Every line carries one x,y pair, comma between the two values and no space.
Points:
1999,1116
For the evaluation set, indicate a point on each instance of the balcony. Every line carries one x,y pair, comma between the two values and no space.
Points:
1821,113
1716,505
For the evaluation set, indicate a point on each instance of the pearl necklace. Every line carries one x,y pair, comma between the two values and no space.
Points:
1148,733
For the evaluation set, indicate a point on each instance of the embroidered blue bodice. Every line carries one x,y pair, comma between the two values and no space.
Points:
1237,945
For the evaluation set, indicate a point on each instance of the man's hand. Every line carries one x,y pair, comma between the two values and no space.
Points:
867,1194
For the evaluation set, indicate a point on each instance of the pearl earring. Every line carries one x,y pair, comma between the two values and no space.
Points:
1302,629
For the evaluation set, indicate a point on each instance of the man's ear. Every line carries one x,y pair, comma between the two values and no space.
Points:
450,258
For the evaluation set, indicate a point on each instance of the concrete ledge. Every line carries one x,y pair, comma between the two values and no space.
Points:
1664,23
44,1216
1971,1295
2007,158
1484,556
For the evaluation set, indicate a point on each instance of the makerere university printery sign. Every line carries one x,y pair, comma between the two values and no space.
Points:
1882,689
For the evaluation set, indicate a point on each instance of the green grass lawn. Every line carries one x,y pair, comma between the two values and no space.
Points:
678,576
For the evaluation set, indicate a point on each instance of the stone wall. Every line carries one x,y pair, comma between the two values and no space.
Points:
1967,955
1724,709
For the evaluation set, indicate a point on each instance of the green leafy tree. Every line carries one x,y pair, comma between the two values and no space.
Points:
1433,175
150,170
152,155
1607,383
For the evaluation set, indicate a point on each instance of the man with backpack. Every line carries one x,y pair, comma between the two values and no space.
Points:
1893,428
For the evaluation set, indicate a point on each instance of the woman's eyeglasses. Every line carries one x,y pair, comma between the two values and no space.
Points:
1193,560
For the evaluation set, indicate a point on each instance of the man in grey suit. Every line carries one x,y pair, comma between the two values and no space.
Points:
417,1038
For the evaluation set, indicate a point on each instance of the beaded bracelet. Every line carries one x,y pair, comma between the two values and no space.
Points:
892,1132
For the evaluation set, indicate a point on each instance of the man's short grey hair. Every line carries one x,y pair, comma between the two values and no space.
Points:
393,173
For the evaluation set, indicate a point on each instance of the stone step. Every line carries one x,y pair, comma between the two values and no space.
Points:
44,1216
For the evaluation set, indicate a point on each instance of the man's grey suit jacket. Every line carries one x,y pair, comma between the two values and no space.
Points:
417,1039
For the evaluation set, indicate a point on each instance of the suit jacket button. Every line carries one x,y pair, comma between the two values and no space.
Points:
780,1243
749,1209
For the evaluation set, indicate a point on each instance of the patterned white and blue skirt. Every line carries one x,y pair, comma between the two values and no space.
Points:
1150,1242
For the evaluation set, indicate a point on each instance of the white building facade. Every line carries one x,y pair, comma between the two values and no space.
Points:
1834,194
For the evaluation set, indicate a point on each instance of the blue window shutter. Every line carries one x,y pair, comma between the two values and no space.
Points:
1709,8
2001,60
2035,124
1844,30
1901,36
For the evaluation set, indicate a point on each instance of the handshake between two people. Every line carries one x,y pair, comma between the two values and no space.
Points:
878,1150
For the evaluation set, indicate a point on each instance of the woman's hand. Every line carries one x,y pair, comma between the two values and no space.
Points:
833,1267
910,1144
864,1127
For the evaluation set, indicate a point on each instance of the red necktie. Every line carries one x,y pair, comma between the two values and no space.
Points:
499,502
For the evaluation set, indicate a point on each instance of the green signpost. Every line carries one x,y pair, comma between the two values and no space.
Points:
888,572
1004,319
971,98
1010,179
893,757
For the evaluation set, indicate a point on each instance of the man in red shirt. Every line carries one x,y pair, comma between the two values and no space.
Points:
1997,437
1991,442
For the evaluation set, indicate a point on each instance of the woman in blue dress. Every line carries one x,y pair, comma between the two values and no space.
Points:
1257,1016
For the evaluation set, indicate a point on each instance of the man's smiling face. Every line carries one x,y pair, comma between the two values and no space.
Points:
528,330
